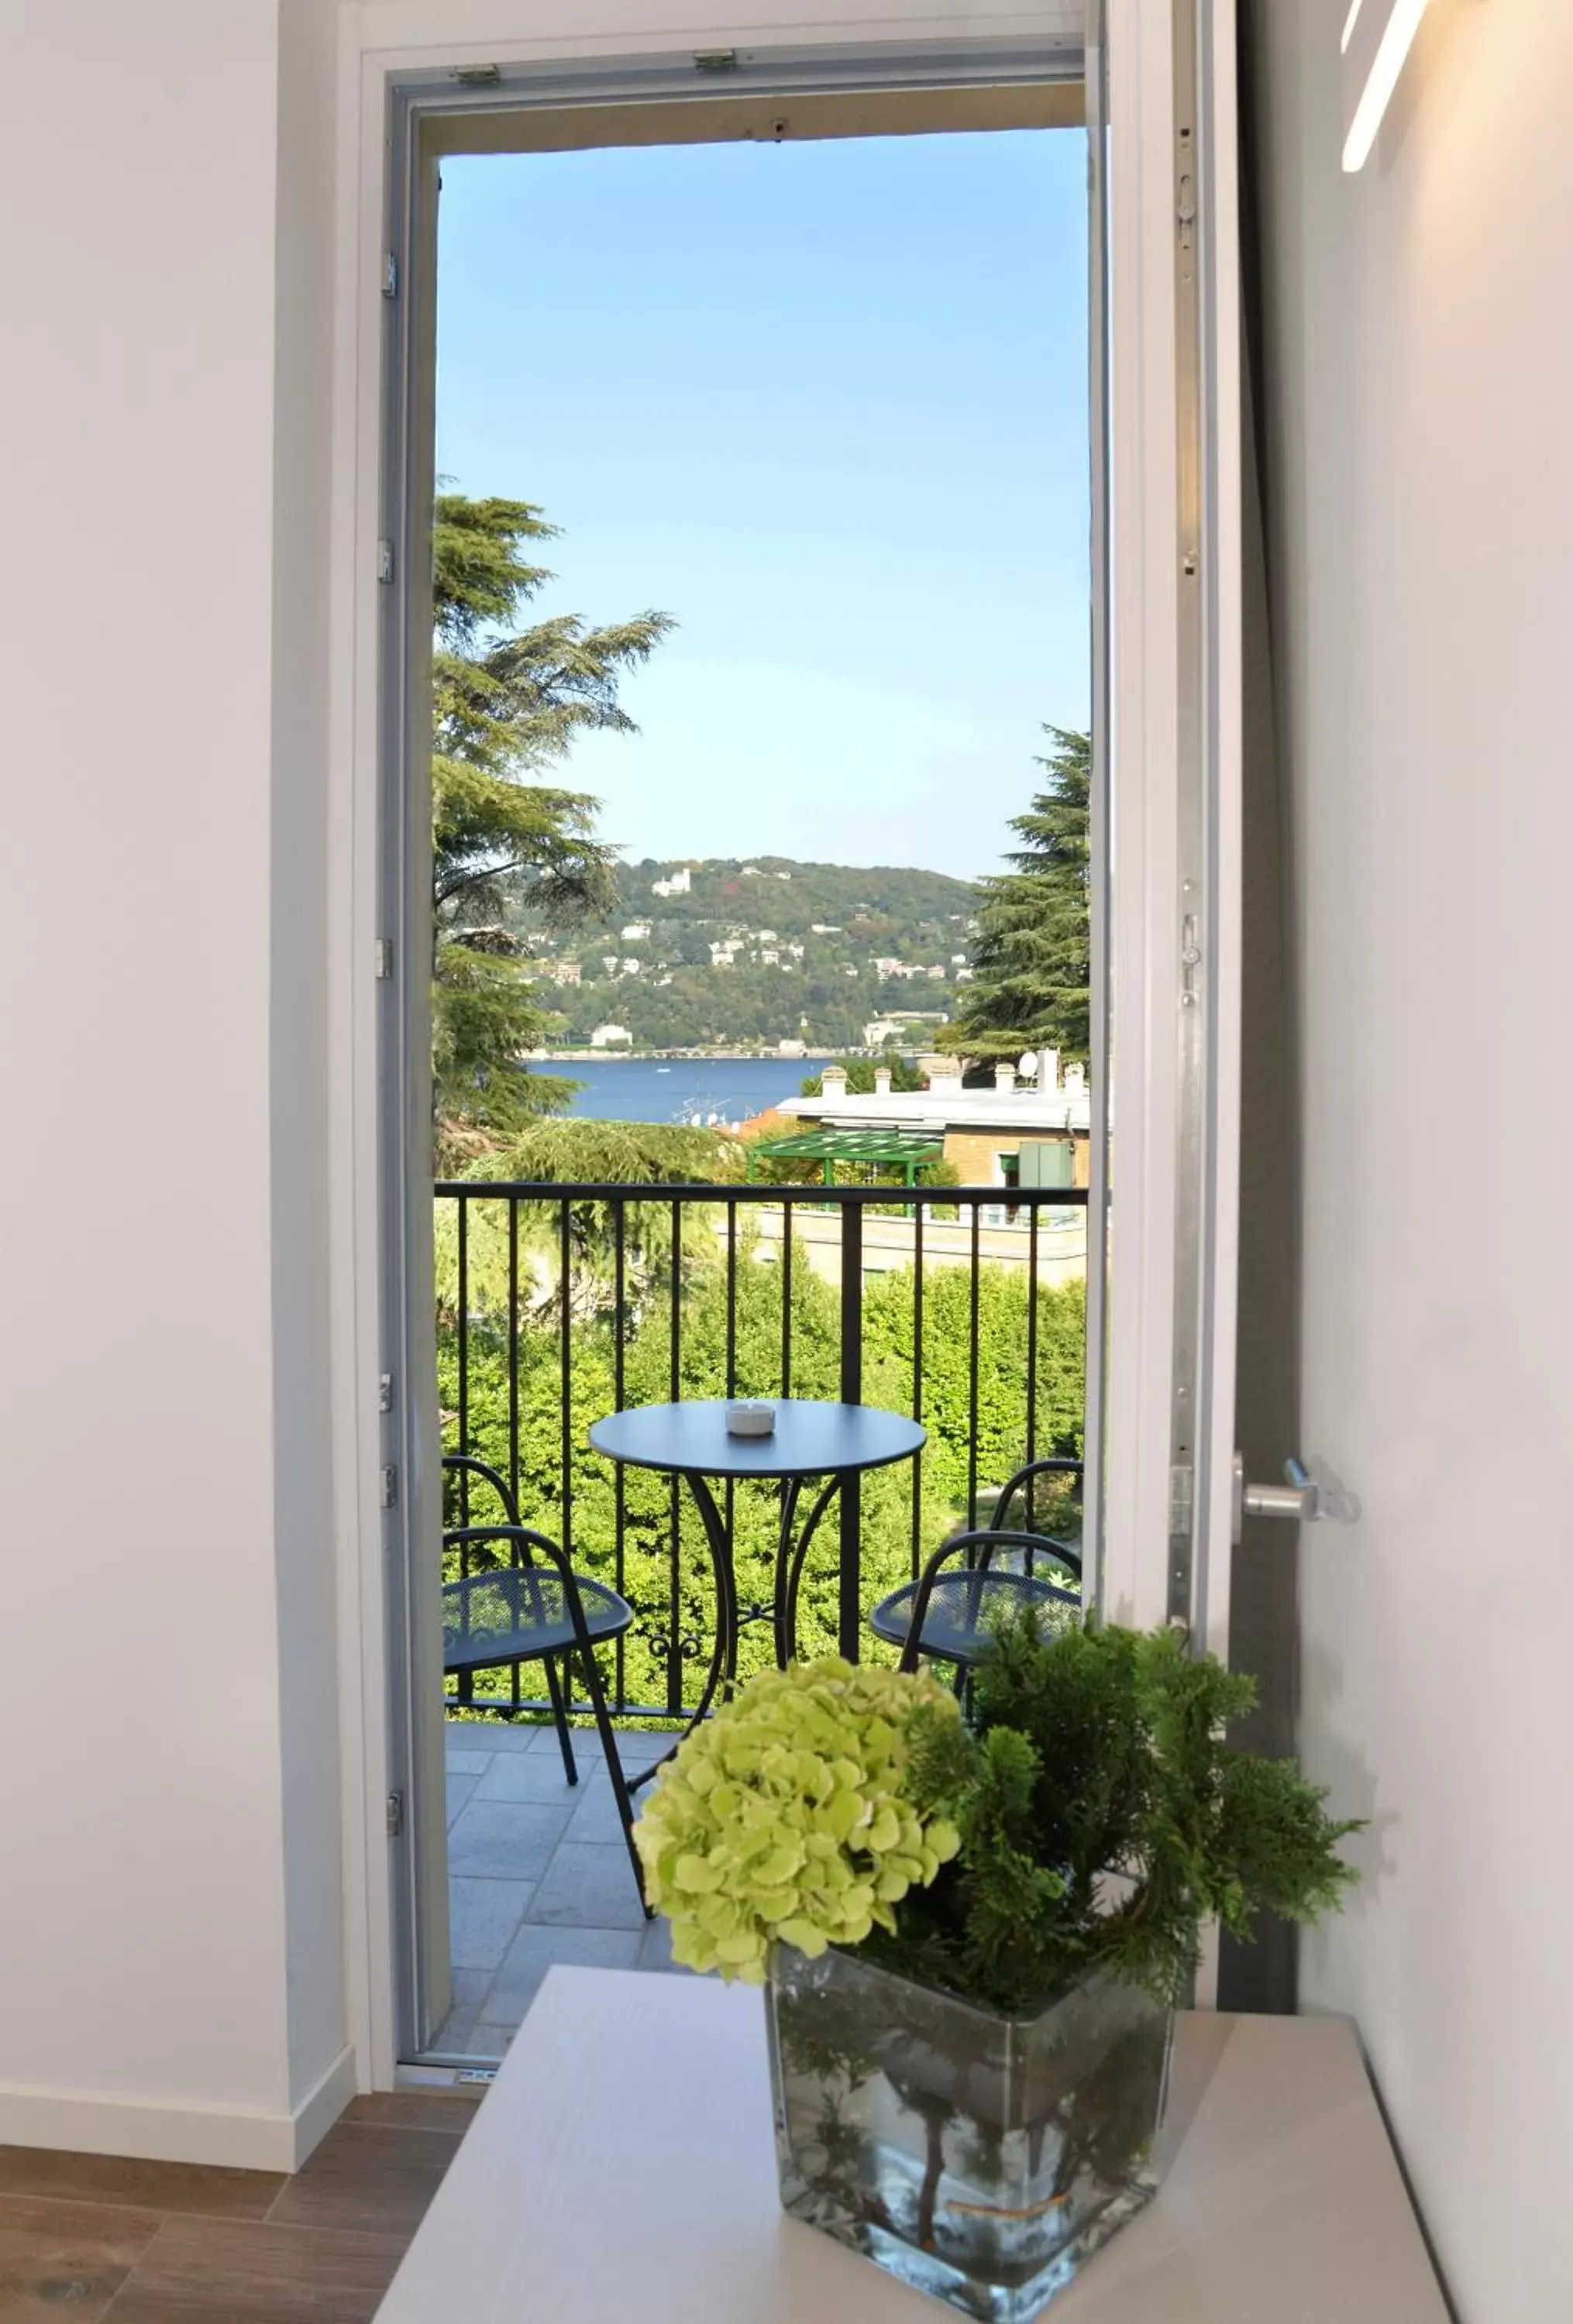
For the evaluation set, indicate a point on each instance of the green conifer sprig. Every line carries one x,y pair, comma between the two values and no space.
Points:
1104,1818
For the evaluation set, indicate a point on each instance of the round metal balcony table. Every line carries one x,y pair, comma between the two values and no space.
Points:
809,1440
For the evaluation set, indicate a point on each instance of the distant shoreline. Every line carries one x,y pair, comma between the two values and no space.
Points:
702,1056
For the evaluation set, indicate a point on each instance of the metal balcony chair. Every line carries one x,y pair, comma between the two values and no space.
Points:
530,1611
466,1464
952,1616
1054,1464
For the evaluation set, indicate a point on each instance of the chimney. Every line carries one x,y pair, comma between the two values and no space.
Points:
944,1078
882,1081
1047,1070
833,1081
1075,1080
1005,1077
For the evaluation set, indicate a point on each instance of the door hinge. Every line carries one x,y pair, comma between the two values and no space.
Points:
395,1815
390,276
382,952
1181,1502
385,1391
385,560
389,1487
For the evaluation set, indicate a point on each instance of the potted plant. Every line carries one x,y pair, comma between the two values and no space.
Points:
975,1932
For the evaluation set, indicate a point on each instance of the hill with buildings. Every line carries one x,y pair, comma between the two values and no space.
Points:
717,953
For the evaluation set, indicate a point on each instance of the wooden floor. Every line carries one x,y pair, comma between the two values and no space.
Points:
91,2236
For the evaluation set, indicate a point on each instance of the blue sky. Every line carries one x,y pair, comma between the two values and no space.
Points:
825,403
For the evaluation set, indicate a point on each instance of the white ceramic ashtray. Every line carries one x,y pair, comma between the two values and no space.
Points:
747,1418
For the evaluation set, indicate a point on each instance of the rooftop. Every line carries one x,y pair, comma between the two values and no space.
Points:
1048,1100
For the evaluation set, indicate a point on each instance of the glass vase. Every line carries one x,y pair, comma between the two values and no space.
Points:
980,2158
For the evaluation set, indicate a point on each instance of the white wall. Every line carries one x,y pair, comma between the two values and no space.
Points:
169,1945
1420,380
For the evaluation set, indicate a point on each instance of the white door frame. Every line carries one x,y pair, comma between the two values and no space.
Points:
1223,740
382,39
1173,744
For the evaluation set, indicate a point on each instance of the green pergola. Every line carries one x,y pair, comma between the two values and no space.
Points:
907,1150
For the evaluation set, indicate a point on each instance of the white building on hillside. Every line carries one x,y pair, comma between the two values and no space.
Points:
881,1031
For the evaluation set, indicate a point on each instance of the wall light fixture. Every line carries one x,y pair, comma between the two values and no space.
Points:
1376,38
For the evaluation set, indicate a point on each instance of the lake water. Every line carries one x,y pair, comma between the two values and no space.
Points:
641,1089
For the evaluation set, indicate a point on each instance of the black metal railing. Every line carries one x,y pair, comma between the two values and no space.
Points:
559,1302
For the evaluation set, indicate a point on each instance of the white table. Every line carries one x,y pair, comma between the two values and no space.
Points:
622,2168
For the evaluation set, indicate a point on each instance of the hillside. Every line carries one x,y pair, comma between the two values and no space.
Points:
721,952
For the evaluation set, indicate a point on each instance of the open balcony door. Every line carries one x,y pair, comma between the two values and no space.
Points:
1167,910
1168,720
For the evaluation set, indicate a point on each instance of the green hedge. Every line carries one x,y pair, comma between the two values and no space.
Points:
587,1522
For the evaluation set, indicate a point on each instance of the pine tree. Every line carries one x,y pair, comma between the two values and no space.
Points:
1032,956
508,705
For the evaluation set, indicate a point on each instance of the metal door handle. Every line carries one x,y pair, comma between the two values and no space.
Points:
1303,1499
1297,1499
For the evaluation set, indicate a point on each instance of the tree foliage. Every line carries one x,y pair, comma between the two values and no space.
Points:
508,704
584,1150
575,1152
1032,956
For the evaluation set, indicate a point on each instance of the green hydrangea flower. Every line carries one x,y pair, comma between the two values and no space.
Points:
785,1817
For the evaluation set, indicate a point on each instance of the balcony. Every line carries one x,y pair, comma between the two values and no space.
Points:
560,1304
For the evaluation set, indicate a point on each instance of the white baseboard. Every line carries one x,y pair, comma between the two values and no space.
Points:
238,2138
320,2108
